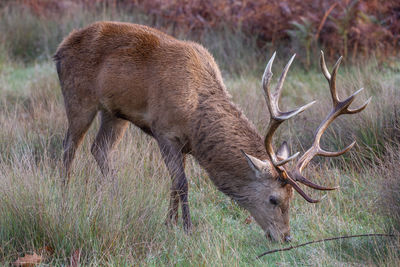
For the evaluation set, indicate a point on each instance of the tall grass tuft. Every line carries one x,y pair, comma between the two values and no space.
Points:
388,173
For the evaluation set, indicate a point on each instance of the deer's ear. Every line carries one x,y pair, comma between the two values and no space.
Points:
283,151
255,164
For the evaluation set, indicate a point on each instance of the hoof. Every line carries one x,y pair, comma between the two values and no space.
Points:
187,226
171,220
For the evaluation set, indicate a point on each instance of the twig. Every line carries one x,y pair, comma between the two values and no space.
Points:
321,240
323,21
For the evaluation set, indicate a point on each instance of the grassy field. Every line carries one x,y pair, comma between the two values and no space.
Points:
121,223
126,226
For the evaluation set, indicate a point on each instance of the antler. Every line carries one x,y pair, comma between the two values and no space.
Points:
277,116
339,108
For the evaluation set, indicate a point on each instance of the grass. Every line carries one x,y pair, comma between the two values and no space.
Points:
124,226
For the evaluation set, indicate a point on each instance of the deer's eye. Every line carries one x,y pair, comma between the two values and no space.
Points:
273,200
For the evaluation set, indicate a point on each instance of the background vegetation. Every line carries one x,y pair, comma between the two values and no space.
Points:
126,226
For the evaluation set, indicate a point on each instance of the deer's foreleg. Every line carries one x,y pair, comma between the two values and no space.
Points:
175,160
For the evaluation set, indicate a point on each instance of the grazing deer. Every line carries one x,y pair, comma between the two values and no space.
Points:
174,92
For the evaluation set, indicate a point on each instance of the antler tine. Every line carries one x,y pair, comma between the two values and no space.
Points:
325,153
332,84
339,108
266,79
277,116
300,178
324,68
331,78
361,108
279,86
296,187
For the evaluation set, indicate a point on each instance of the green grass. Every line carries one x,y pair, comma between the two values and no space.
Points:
123,225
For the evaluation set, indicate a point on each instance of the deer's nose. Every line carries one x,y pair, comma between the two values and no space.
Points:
288,238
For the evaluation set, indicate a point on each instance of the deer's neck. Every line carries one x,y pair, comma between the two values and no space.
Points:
218,132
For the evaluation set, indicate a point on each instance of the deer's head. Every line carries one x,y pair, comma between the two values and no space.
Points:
273,180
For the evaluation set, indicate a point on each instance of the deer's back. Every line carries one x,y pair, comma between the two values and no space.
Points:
138,73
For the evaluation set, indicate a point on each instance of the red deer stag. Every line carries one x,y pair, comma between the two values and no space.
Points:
174,92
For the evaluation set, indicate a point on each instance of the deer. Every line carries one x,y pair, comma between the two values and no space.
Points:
174,92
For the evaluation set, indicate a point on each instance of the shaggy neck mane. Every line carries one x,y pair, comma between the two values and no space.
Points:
219,131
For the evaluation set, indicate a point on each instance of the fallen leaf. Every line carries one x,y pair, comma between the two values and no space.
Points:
29,260
248,220
46,251
75,258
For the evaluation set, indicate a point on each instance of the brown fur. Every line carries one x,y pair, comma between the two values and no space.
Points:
173,90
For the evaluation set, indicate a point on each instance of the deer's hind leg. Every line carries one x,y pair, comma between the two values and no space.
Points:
79,120
109,135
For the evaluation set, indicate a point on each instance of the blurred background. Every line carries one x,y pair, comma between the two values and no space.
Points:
31,29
